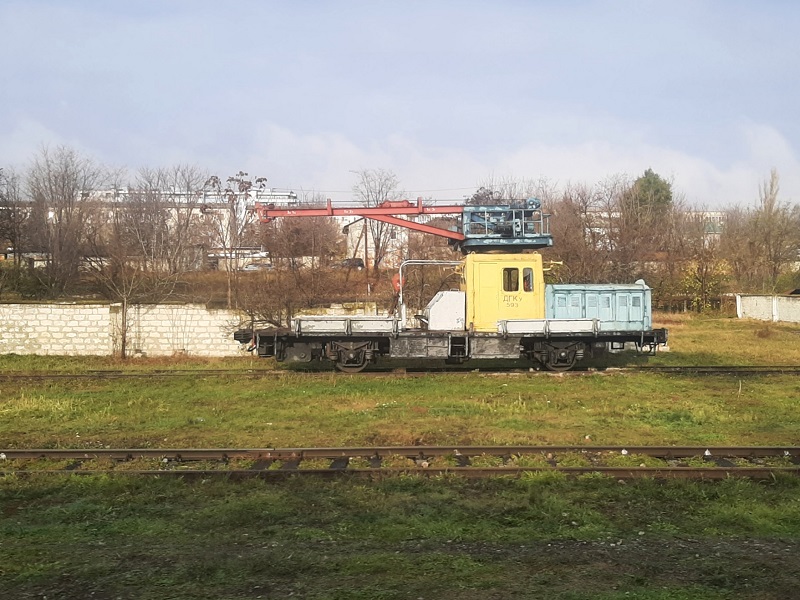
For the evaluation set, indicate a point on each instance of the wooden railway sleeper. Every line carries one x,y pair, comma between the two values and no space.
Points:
462,460
340,463
290,464
262,464
422,461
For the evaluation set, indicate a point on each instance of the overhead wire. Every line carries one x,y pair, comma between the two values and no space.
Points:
460,189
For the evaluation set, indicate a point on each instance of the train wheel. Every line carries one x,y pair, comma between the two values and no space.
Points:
560,367
350,356
350,367
560,359
352,361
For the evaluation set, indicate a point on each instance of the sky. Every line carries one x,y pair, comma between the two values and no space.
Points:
445,94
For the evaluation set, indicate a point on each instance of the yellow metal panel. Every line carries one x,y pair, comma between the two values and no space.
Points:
503,286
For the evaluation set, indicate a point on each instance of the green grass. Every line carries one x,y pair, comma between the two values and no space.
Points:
540,536
331,410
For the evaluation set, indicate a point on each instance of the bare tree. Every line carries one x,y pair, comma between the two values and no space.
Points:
137,244
739,248
502,190
275,296
699,261
433,247
13,216
307,241
422,282
638,224
777,231
234,222
617,230
176,193
581,237
311,242
485,196
761,243
117,263
373,188
14,213
60,183
269,296
300,249
627,230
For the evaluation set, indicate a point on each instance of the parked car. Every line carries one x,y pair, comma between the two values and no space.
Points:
258,267
351,263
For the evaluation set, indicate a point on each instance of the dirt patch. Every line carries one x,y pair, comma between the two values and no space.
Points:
764,332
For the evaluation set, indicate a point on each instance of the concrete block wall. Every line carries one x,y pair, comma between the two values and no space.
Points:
94,330
59,329
788,308
169,330
768,308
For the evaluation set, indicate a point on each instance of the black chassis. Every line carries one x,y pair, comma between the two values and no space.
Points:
353,353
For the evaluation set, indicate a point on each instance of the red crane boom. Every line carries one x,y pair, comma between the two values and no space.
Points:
385,212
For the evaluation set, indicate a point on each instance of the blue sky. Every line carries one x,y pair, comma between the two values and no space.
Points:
444,94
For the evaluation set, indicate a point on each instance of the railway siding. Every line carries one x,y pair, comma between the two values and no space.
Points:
472,462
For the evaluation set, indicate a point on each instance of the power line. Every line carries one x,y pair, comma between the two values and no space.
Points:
407,191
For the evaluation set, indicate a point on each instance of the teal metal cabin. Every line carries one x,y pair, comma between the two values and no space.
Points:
617,307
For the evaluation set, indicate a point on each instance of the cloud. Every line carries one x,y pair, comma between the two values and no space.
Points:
23,140
767,146
558,93
325,162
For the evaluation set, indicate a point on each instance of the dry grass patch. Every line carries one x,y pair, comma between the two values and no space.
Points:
728,341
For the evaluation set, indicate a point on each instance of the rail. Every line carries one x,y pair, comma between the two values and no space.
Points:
757,462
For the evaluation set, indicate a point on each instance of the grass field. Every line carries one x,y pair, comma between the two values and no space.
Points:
330,410
538,537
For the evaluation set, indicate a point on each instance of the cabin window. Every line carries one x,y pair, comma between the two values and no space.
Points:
575,301
591,301
510,280
636,302
527,279
623,301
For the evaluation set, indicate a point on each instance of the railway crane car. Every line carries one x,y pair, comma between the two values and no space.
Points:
502,310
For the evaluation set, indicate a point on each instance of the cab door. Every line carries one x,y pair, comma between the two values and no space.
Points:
502,287
485,297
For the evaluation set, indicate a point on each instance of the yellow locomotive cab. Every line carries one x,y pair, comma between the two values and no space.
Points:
501,287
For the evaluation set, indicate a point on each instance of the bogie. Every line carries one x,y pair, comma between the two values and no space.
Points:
559,356
350,356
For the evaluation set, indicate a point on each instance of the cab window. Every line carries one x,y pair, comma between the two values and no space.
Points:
510,280
527,279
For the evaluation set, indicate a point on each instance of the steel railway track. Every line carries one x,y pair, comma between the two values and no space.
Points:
430,461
